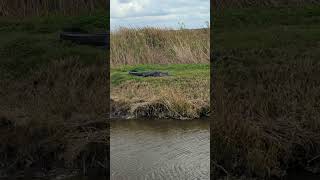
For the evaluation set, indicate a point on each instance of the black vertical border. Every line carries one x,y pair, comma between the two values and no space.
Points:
108,88
211,78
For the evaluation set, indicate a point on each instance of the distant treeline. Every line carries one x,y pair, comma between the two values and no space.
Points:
221,4
44,7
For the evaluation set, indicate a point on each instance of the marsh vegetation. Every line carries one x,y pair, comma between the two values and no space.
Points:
53,112
183,53
227,4
266,91
23,8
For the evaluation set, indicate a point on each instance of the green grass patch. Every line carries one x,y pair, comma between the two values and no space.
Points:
177,72
53,23
289,29
271,35
234,18
31,43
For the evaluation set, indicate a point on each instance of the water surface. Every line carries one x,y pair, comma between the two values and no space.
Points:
160,149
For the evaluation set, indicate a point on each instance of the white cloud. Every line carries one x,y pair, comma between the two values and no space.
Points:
160,13
127,8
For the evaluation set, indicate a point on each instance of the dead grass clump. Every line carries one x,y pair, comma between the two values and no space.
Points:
159,46
149,109
57,117
144,100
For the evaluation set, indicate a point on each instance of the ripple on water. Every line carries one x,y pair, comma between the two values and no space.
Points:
160,149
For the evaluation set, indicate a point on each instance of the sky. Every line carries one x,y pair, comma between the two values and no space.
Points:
160,13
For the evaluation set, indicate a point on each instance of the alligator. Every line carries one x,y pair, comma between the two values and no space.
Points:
148,73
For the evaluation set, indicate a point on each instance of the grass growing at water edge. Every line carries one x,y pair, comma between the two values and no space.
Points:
183,94
183,53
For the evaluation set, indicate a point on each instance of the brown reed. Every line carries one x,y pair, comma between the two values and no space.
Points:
24,8
159,46
218,4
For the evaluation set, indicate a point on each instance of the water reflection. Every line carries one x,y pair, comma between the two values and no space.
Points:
160,149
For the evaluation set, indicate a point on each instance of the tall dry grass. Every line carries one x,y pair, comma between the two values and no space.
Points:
159,46
143,99
43,7
57,118
266,118
218,4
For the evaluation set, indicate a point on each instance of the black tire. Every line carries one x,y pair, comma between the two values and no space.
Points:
80,37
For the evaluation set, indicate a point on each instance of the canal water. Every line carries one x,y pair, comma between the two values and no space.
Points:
160,149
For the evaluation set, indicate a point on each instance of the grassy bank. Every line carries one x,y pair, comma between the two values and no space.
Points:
266,92
183,94
183,53
53,98
32,43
